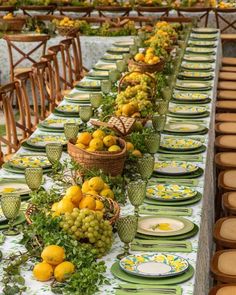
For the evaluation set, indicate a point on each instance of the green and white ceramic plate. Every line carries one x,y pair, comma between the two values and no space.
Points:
25,161
43,140
58,123
123,43
187,110
117,49
199,58
200,50
154,265
197,66
205,30
180,144
196,75
190,85
203,36
98,74
202,43
78,97
105,66
184,127
112,57
190,96
88,84
174,167
164,225
170,192
14,186
68,108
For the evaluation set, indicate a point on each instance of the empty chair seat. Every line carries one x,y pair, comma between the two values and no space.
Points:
226,94
228,69
228,61
227,76
224,232
225,117
226,143
229,203
227,85
226,181
226,128
225,160
224,289
226,105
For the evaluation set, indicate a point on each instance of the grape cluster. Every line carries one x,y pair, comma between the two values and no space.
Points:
89,226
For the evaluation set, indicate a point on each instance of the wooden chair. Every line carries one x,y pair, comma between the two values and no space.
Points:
222,14
225,289
227,76
105,11
226,106
157,11
1,155
225,143
228,69
47,9
228,61
225,128
225,160
203,13
226,94
179,19
224,233
226,181
40,42
13,139
225,117
229,203
82,11
223,266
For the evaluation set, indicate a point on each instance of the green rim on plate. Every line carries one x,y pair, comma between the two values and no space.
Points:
202,36
112,57
193,86
170,192
205,76
198,58
205,30
183,127
123,43
174,167
199,172
191,96
93,85
200,50
58,123
187,109
203,115
188,235
18,186
156,202
199,150
118,49
68,109
180,144
50,130
23,161
120,274
205,131
206,44
156,265
40,141
197,102
164,225
20,219
11,169
197,66
105,66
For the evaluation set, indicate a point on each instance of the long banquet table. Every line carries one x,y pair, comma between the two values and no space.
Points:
202,215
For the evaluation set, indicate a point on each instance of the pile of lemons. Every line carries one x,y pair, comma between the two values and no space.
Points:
8,16
53,265
147,57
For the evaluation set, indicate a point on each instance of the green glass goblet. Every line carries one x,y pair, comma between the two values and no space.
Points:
158,122
10,204
106,86
126,229
133,49
127,57
121,66
152,142
34,177
162,106
54,152
85,113
95,99
71,131
114,75
136,193
146,166
166,93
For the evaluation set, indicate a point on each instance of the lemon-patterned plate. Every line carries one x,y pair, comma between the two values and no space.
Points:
196,75
123,43
68,108
112,57
25,161
154,265
164,225
105,66
78,97
180,144
170,192
197,66
89,84
187,110
190,96
58,123
189,85
203,36
198,58
98,74
200,50
184,127
205,30
43,140
175,167
117,49
14,186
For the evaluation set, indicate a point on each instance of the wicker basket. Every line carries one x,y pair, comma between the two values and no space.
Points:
67,31
142,67
13,24
111,163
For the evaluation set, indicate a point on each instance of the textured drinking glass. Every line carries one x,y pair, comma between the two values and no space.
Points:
158,122
71,130
114,75
10,204
34,177
138,41
95,99
121,66
136,194
152,142
133,49
85,113
126,229
54,152
166,93
146,166
126,57
162,106
106,86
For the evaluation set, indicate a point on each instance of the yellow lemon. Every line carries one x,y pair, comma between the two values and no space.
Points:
129,146
87,202
53,254
84,138
74,193
96,144
99,134
55,206
63,271
137,153
81,145
43,271
139,57
85,187
99,205
8,190
92,193
109,140
91,149
114,148
96,183
107,193
106,185
64,206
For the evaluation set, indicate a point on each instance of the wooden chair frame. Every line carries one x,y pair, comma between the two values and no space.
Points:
164,11
124,11
218,16
12,39
195,10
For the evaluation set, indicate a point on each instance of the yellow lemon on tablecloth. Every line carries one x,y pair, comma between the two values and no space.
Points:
74,194
96,183
96,144
63,271
114,148
87,202
53,254
98,134
107,193
84,138
43,271
64,206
